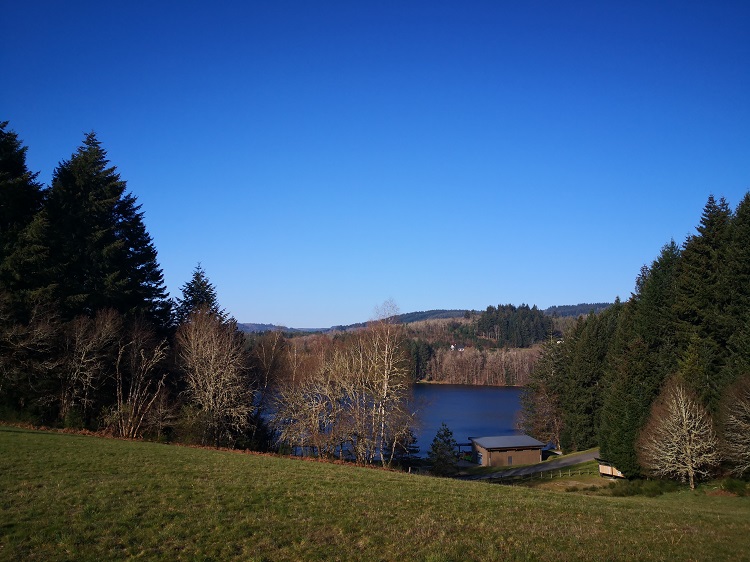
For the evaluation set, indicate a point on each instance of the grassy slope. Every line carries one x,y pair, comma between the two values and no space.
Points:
69,497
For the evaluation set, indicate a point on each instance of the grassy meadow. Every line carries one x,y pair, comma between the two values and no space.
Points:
76,497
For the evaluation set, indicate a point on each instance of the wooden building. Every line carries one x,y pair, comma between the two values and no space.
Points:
506,450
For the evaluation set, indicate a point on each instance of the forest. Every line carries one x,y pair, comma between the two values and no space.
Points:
660,382
498,346
89,338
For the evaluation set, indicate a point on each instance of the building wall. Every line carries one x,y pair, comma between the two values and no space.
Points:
507,457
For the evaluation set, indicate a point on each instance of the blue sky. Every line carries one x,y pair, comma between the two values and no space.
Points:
319,158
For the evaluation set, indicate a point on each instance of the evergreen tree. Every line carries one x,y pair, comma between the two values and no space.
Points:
738,285
197,293
704,292
21,195
420,353
584,385
644,353
21,198
541,415
442,453
100,254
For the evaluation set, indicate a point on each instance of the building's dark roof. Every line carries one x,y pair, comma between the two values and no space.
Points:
507,442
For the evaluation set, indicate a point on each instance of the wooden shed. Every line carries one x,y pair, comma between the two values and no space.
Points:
506,450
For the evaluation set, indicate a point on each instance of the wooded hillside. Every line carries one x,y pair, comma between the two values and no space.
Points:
683,333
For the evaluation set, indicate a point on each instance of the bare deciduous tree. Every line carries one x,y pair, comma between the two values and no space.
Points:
355,400
269,358
213,358
678,441
87,359
387,373
497,367
27,350
736,425
138,384
310,414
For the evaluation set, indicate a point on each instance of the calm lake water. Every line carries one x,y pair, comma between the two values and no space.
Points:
469,411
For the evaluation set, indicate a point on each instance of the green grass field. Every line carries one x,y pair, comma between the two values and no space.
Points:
74,497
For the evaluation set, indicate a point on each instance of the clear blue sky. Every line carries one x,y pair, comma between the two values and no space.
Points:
321,157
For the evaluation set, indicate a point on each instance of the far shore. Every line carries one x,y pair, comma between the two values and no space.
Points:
425,382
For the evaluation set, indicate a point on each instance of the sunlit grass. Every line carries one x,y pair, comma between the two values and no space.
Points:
69,497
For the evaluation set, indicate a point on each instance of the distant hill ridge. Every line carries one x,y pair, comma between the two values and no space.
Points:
439,314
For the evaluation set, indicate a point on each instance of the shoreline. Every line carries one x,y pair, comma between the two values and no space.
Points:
438,383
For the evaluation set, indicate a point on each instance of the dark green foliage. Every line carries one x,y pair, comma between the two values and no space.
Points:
644,353
541,415
648,488
442,453
196,293
68,255
21,198
587,360
99,253
705,293
429,315
688,316
420,353
512,326
734,486
21,195
738,286
701,274
581,309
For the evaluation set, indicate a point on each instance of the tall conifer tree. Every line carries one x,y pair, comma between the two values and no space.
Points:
644,354
703,300
101,255
588,347
21,198
738,285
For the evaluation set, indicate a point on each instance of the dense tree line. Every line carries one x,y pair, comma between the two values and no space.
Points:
683,333
496,347
576,310
90,339
80,287
504,326
511,326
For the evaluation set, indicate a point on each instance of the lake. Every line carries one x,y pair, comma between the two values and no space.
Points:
469,411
